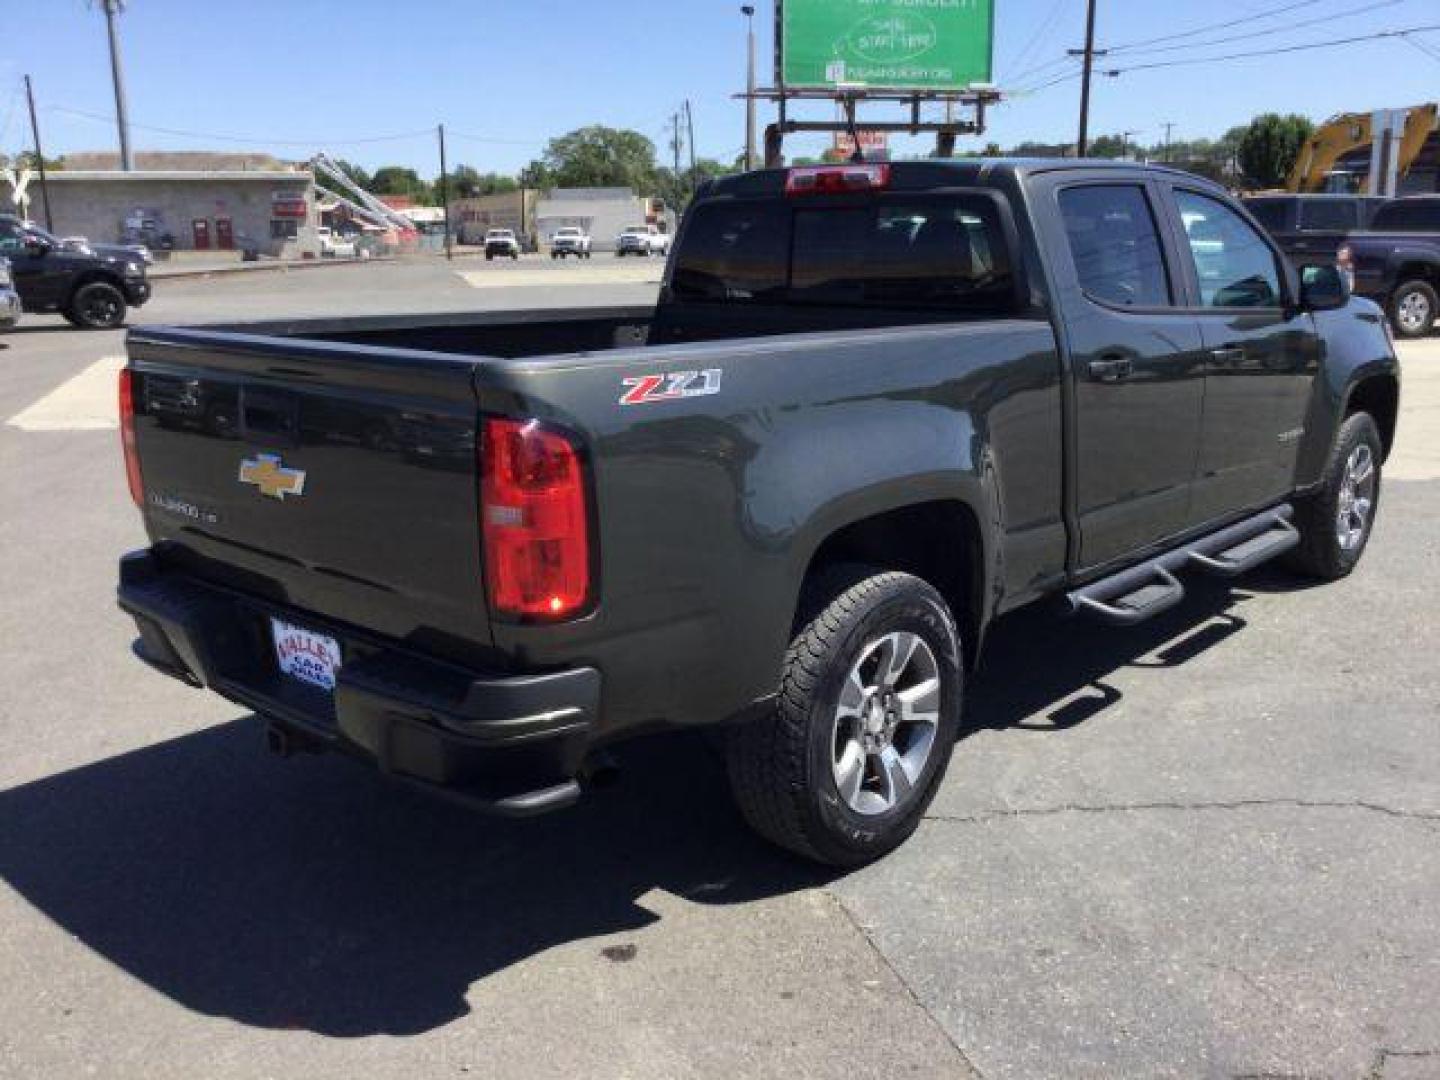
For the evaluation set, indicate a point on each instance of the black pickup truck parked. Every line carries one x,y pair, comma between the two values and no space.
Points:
1311,228
876,407
92,289
1396,262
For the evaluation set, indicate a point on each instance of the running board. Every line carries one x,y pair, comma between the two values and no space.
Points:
1144,591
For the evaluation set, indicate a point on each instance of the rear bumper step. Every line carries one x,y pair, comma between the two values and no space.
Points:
509,745
1144,591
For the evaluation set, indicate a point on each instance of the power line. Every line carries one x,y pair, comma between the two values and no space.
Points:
1432,53
243,139
1364,9
1403,34
1041,32
1271,13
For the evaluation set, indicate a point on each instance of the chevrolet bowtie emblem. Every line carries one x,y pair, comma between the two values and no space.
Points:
267,473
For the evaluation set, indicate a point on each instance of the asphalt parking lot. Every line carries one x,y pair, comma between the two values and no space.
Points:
1204,847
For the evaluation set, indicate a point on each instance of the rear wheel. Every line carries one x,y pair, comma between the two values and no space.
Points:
1336,519
1413,308
842,769
97,306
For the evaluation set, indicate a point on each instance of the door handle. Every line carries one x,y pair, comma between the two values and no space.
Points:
1228,354
1111,369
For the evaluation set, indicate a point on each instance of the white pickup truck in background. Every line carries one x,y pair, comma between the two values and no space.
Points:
642,240
570,241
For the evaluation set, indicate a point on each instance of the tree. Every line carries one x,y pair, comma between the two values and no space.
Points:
595,156
1270,145
467,182
398,180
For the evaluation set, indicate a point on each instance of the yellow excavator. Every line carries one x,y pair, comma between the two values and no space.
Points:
1342,134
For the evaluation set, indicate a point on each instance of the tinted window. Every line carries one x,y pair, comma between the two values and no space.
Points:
1327,215
1274,214
1408,215
1236,268
902,254
1115,244
919,253
733,251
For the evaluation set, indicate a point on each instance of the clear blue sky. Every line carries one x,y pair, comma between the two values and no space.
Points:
505,76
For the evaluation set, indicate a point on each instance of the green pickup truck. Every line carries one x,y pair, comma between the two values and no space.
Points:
876,407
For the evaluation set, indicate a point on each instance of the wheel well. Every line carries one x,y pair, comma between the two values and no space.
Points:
936,541
90,277
1379,396
1419,271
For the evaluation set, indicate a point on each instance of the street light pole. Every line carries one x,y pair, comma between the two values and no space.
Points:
122,118
748,10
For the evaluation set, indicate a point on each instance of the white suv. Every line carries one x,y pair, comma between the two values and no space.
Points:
570,241
501,242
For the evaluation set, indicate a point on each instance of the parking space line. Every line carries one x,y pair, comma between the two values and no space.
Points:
86,402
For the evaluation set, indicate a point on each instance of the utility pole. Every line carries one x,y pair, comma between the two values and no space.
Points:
748,10
122,119
690,138
39,155
1168,125
675,142
444,190
1082,145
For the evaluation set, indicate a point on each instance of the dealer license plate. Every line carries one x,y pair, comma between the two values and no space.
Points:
305,655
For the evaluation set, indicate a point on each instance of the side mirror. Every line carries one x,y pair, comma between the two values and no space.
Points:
1323,287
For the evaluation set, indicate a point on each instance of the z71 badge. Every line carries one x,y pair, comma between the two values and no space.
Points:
645,389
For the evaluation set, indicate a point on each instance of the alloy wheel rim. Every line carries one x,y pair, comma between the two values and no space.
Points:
1357,498
886,722
1414,312
101,310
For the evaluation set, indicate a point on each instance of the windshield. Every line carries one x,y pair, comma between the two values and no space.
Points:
499,234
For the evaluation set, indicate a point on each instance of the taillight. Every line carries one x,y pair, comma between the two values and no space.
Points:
127,436
1345,260
836,179
534,521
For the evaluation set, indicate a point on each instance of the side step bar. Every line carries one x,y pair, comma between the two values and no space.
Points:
1142,592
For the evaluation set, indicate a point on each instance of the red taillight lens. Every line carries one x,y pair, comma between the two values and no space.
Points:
127,436
836,179
534,523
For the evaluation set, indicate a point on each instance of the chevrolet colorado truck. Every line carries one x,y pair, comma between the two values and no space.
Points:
1396,262
875,407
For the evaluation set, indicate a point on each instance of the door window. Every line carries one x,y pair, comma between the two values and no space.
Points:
1408,215
1327,215
1235,267
1116,245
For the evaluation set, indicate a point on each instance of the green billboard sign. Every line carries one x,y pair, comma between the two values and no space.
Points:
905,44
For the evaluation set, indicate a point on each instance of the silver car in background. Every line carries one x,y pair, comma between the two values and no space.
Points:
9,298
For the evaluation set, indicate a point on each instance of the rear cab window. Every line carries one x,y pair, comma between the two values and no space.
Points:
1408,215
1115,245
912,252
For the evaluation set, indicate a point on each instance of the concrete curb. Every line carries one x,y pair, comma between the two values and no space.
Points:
157,274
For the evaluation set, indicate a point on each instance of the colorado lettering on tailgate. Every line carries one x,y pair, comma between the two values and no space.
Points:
645,389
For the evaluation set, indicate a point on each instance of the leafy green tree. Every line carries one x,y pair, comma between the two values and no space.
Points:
1270,145
595,156
399,180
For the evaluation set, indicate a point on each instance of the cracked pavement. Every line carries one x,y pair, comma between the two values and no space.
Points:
1208,846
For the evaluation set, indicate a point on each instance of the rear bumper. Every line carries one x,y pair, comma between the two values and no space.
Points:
509,744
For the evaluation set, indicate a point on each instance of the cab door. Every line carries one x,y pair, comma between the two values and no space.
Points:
1262,356
1138,370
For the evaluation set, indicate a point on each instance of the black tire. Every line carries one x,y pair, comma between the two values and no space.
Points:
782,766
1413,308
97,306
1322,553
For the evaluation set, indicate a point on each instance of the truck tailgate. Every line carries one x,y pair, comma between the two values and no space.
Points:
336,479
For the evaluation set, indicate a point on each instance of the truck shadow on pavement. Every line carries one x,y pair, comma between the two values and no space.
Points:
313,895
